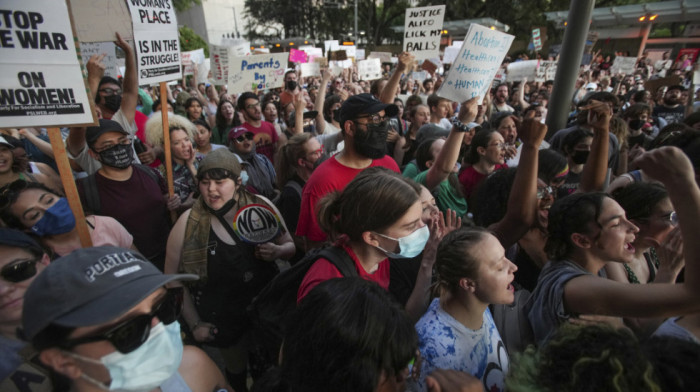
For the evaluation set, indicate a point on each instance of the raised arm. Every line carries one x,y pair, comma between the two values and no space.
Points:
321,100
130,87
449,154
520,212
389,93
596,168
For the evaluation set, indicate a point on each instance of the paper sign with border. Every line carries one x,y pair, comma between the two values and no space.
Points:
623,65
97,21
88,49
370,69
477,63
260,71
188,58
156,41
310,69
423,31
41,83
385,57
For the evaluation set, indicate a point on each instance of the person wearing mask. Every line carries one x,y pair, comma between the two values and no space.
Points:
260,171
266,139
103,318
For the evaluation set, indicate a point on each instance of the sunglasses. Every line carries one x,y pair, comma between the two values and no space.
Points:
243,137
20,271
542,192
110,91
131,334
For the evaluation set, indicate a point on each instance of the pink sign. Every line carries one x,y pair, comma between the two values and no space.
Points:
298,56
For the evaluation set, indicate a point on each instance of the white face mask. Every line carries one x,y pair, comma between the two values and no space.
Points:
409,246
145,368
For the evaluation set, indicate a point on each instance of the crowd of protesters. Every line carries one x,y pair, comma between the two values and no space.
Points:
479,253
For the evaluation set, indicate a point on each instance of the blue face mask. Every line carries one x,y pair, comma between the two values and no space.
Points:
58,219
244,177
145,368
409,246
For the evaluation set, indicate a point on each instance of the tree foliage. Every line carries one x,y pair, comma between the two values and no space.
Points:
189,40
184,5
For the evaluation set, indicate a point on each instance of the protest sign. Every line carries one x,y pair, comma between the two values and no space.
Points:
429,66
480,57
156,40
310,69
330,45
349,50
97,21
369,69
546,70
193,56
623,65
219,57
423,30
359,54
298,56
537,39
520,70
450,55
203,70
41,82
312,52
88,49
260,71
384,57
338,55
419,76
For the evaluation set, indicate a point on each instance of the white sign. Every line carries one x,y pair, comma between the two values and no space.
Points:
260,71
422,31
331,45
450,55
97,21
623,65
349,50
219,59
360,54
203,70
546,70
312,52
310,69
192,57
385,57
369,69
88,49
480,57
41,83
156,40
520,70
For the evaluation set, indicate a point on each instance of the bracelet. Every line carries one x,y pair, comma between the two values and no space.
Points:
460,127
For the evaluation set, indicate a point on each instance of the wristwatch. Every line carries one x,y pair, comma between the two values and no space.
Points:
459,125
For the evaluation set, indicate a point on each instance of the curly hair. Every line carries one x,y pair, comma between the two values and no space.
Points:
154,128
576,213
584,358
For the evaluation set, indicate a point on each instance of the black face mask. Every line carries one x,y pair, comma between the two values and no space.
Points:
223,210
371,143
291,85
636,124
580,156
336,115
310,129
119,156
113,102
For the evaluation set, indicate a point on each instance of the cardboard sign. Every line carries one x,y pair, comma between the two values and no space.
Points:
423,30
429,66
623,65
369,69
97,21
480,57
193,56
520,70
338,55
219,61
310,69
312,52
257,224
653,85
156,40
88,49
298,56
450,55
546,70
384,57
41,83
330,45
260,71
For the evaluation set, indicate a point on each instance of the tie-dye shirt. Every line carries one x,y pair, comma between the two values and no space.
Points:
445,343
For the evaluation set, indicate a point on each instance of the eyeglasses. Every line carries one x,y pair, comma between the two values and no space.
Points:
502,146
316,152
7,192
110,91
131,334
242,138
374,119
20,271
542,192
671,217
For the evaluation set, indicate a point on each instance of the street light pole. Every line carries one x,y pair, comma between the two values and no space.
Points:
357,38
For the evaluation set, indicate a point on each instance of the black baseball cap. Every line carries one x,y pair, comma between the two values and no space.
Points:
93,133
360,104
18,239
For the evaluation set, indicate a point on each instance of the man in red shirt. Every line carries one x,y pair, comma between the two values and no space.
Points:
265,133
364,123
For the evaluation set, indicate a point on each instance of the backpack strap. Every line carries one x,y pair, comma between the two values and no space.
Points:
148,171
92,195
340,259
295,186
